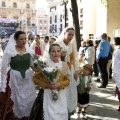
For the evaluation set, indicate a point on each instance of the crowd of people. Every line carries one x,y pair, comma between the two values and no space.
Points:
19,75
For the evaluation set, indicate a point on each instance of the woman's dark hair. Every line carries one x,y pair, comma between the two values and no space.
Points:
117,40
109,39
54,44
89,42
97,42
17,34
69,28
38,36
46,37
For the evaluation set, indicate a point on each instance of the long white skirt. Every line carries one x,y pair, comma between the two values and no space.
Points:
71,92
23,93
55,110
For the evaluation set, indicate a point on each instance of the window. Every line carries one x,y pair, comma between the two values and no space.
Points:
44,21
28,21
50,29
60,18
15,5
44,27
40,27
55,28
3,4
81,27
80,0
81,16
91,36
66,24
27,5
81,11
52,9
55,18
61,28
50,20
81,36
81,22
40,21
52,26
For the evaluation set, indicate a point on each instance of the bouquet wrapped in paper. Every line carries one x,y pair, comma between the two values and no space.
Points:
49,72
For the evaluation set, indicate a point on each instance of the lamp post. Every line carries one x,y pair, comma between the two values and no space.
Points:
65,4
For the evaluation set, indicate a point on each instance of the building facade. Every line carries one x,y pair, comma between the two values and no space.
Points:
87,18
23,11
113,18
42,22
56,16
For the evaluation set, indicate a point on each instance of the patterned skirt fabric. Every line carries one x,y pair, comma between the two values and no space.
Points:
37,109
2,104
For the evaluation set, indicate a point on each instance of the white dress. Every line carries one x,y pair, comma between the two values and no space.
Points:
23,91
55,110
71,90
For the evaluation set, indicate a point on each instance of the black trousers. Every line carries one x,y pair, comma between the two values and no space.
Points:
95,68
119,96
102,67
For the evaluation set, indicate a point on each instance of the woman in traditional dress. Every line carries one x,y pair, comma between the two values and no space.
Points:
69,55
45,108
46,51
37,46
19,88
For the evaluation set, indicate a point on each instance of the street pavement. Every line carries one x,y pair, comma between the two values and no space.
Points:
103,104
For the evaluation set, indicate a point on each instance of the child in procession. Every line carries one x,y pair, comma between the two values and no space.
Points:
84,88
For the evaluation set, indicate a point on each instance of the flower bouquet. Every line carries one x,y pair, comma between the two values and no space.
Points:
51,75
49,72
64,50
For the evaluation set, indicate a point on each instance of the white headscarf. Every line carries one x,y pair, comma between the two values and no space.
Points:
11,43
73,43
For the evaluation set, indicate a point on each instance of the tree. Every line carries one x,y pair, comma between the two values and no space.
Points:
105,3
74,11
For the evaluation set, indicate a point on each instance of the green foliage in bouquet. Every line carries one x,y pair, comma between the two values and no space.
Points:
38,63
50,75
49,72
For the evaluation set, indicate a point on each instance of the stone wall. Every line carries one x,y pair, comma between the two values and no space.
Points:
113,17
